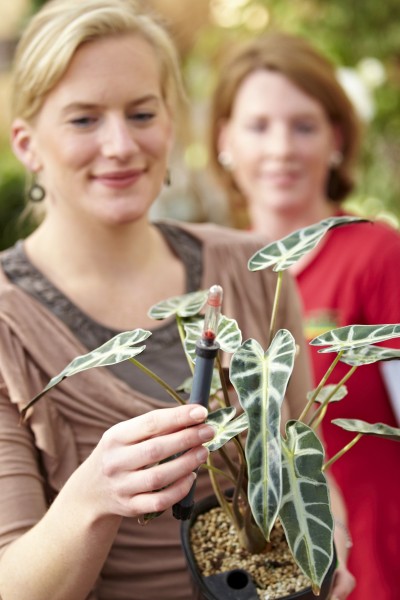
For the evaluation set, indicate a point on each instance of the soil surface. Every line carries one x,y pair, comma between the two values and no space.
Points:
216,549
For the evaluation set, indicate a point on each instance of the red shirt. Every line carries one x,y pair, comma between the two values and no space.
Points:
355,279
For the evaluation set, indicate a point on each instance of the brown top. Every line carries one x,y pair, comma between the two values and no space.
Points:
164,352
36,458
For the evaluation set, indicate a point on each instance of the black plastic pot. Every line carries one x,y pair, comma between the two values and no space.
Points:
236,584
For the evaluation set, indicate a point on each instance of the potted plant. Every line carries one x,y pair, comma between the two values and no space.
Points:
275,479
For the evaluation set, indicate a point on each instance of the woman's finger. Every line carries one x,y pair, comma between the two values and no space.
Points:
162,500
158,422
162,475
142,454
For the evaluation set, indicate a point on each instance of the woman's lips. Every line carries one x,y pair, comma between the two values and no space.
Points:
280,178
118,179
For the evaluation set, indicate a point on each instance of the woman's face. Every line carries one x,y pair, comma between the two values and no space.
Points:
280,142
100,142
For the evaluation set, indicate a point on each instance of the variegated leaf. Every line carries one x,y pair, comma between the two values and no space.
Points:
260,379
305,511
228,431
377,429
355,336
326,391
365,355
117,349
186,305
229,336
287,251
186,386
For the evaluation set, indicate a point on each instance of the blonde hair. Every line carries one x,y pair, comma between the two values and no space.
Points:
295,58
53,35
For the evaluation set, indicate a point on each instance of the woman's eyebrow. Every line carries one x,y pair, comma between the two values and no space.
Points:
91,105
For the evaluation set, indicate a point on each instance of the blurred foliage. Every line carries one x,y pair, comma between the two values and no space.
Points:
14,223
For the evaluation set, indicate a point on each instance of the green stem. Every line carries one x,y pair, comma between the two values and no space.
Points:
342,451
158,380
229,463
320,386
182,335
321,410
216,471
224,387
275,305
224,504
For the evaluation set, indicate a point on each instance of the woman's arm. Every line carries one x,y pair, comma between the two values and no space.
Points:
344,581
61,556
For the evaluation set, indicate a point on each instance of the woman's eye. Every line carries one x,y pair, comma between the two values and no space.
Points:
305,127
258,126
83,121
142,117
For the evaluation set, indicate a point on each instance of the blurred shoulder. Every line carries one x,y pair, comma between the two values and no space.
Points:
220,235
370,233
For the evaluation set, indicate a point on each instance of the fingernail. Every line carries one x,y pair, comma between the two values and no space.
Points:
206,433
202,454
198,413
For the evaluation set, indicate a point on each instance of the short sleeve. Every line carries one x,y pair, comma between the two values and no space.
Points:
22,498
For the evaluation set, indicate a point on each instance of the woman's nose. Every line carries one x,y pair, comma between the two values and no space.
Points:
278,141
118,140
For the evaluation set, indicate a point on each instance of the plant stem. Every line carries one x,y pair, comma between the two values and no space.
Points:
320,386
158,379
224,504
217,471
275,305
229,463
224,387
321,410
181,330
342,451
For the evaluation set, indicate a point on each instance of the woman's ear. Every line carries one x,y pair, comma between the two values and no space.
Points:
225,157
23,145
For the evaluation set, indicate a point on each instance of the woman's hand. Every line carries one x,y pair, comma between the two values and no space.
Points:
343,583
130,477
122,477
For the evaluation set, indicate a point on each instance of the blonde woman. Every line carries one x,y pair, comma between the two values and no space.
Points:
96,86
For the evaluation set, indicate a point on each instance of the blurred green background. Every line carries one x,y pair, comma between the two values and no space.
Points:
361,37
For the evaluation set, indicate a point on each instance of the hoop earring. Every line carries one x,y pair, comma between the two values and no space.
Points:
167,178
36,192
225,160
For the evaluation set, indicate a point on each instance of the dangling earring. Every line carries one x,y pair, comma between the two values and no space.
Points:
225,160
36,192
167,178
335,159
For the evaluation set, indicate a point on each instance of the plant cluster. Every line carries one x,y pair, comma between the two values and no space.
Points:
274,475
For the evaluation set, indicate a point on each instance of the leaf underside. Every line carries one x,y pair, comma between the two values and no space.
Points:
285,252
352,337
118,349
377,429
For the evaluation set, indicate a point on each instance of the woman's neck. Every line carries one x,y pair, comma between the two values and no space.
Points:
77,249
113,275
